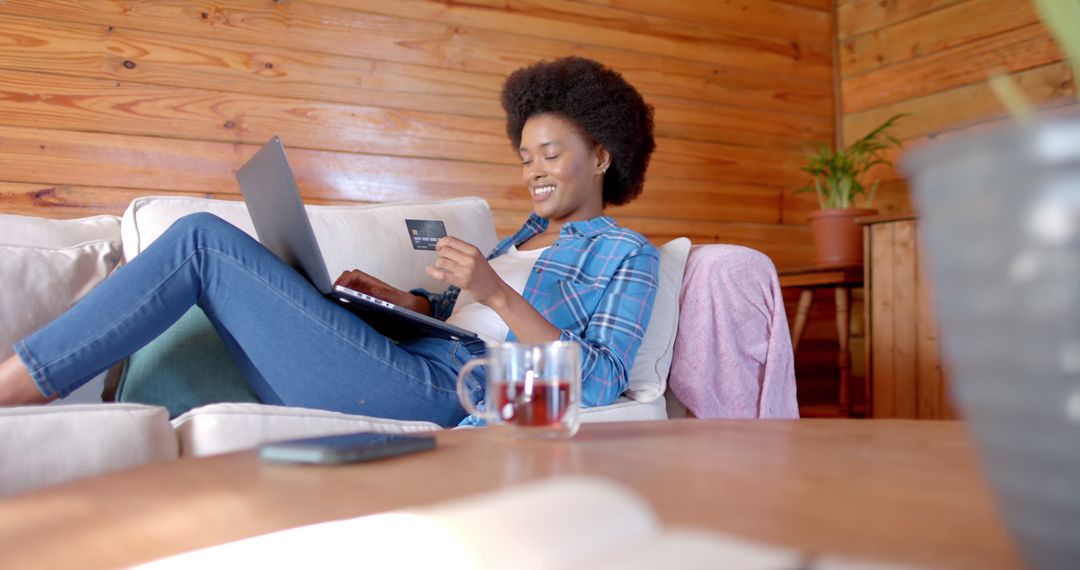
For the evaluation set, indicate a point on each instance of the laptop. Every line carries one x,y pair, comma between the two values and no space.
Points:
282,226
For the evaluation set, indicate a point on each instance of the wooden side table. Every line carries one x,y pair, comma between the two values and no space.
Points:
904,366
842,279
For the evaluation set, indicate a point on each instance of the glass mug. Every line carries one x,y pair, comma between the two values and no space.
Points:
533,390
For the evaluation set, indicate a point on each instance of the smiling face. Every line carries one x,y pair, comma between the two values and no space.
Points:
562,169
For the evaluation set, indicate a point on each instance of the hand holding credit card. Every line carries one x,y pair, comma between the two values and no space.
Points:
424,233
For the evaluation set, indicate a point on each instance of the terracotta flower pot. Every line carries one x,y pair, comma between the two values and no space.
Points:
837,238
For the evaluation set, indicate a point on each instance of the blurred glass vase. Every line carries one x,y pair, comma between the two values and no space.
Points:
1001,215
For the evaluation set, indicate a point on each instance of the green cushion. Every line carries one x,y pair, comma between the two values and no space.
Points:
186,367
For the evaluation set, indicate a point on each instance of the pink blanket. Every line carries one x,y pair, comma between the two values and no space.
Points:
732,355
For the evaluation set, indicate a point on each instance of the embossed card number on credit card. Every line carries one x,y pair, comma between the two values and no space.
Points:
424,233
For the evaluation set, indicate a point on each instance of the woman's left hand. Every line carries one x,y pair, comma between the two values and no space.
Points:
463,265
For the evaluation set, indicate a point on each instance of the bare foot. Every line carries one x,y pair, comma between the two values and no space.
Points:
16,386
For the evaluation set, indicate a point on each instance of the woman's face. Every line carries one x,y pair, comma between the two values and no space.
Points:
562,169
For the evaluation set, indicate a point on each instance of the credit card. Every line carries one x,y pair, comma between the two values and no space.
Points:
424,233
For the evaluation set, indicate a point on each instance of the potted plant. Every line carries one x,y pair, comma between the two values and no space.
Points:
837,182
1000,213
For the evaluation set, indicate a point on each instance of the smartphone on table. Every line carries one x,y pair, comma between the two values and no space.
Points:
346,448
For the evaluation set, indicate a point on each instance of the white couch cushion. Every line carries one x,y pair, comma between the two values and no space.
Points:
30,302
43,446
371,238
44,232
346,235
39,284
625,410
648,375
221,428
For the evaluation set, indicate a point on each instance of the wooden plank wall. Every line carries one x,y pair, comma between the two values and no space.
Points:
104,100
933,59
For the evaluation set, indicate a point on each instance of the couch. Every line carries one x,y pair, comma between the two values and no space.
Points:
181,396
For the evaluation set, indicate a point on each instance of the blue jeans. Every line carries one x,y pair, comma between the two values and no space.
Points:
294,346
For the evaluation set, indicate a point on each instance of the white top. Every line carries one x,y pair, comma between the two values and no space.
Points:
513,267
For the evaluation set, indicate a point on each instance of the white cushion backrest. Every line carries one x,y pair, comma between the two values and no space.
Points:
648,376
372,238
40,283
73,256
44,232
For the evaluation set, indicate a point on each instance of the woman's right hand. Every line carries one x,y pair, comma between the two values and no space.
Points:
359,281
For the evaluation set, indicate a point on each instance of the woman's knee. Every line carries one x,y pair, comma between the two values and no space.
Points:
204,224
199,230
200,221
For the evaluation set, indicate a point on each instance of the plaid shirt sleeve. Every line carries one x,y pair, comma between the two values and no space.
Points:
442,304
616,329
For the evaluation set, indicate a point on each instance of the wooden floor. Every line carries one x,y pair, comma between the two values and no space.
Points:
816,372
817,395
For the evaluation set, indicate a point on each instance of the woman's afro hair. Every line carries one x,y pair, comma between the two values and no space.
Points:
600,103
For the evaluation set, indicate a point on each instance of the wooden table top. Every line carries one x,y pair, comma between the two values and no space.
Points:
819,276
895,490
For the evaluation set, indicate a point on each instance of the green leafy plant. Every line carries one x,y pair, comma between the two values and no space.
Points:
1062,18
837,174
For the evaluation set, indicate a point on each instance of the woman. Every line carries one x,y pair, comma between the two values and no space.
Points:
584,136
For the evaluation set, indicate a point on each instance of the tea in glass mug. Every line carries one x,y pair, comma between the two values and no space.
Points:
532,389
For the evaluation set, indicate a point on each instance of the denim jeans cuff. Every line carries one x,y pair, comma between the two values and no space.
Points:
28,360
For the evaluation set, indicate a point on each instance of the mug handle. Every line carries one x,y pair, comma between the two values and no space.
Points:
463,392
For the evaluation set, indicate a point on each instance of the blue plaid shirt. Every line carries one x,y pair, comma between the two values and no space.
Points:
597,284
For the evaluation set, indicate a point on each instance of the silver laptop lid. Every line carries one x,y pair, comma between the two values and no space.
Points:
273,201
